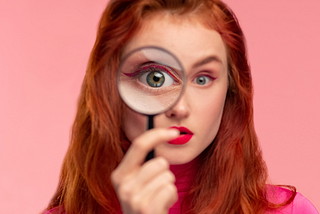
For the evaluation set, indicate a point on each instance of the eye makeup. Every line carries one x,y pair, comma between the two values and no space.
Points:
203,79
151,66
134,78
208,75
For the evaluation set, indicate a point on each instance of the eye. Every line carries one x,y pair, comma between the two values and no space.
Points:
202,80
156,79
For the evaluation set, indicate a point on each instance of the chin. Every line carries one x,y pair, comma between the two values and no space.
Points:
175,156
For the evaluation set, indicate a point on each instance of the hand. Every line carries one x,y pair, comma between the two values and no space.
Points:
144,188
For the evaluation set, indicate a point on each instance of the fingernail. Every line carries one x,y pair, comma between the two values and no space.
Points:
174,132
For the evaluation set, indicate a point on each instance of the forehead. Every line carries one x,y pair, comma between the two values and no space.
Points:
184,36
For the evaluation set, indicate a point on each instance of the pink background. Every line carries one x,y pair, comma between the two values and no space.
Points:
44,48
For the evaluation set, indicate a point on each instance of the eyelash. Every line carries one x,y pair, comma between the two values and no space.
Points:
152,67
204,75
139,72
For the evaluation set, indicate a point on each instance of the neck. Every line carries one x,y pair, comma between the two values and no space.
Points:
185,175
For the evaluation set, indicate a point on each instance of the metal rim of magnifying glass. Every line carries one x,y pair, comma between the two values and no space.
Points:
184,78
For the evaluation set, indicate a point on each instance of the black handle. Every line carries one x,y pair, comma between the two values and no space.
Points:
150,126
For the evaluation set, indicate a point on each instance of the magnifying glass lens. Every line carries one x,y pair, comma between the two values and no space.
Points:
150,80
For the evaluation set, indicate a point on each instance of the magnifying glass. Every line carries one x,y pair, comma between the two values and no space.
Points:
150,81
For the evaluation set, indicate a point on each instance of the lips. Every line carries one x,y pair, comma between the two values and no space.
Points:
185,136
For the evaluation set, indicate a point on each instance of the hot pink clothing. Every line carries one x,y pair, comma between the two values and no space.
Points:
300,204
186,172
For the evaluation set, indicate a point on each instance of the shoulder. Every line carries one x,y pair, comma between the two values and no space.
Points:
299,205
303,205
55,210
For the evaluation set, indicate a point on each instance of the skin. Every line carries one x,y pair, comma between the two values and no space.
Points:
149,187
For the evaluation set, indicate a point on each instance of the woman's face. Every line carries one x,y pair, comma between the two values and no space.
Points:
204,58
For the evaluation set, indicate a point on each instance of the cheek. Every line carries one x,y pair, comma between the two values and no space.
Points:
215,108
209,109
134,124
210,105
211,117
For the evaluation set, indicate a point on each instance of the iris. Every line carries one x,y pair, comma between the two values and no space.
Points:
155,79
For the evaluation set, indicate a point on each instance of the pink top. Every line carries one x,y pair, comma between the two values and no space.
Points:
186,172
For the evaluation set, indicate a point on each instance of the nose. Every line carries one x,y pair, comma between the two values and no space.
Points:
180,110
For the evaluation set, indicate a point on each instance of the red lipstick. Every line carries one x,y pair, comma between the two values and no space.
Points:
185,136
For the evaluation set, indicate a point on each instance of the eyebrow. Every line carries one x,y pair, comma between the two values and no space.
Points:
207,60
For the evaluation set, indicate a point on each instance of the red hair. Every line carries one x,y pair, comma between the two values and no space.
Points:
232,175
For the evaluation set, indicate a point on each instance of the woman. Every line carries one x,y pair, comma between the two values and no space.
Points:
219,170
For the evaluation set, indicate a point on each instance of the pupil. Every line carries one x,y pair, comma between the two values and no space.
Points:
201,80
155,79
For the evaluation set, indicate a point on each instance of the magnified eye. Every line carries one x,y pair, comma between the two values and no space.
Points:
154,76
156,79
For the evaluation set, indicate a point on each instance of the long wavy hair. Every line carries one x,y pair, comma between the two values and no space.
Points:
232,177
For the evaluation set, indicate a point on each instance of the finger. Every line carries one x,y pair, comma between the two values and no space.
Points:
154,186
132,184
163,200
144,199
149,171
139,148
